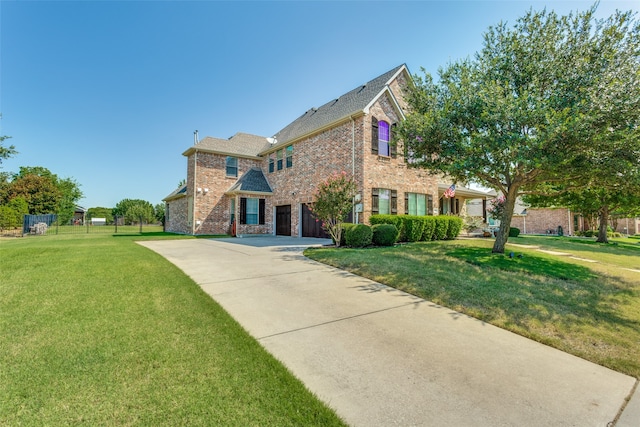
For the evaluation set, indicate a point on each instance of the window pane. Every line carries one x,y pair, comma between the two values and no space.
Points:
289,155
421,204
383,138
384,205
252,211
412,204
232,166
279,157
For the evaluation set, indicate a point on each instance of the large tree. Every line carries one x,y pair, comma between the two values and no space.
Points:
531,109
44,191
134,211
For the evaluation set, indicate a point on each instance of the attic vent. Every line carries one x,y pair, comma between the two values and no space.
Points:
334,102
363,86
313,111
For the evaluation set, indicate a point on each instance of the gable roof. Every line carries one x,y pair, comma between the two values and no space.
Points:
252,181
177,193
355,101
240,144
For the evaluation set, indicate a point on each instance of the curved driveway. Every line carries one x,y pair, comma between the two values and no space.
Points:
381,357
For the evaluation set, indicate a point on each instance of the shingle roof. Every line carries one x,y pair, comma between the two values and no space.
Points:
350,103
241,144
252,181
178,192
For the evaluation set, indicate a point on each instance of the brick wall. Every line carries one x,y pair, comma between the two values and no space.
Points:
212,207
176,216
388,172
540,221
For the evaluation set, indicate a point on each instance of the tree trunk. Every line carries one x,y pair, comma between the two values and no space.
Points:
604,222
505,222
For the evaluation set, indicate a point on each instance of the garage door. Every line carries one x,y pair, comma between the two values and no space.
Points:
283,220
311,227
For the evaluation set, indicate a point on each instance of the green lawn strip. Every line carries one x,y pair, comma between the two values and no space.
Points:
101,331
568,305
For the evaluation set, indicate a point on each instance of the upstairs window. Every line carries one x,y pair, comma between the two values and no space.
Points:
279,159
271,163
381,138
232,166
289,155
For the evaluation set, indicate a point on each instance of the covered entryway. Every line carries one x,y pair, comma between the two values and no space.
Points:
283,220
310,226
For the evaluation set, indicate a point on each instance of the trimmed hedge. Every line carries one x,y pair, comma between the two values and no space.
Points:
455,225
359,236
442,225
413,228
514,232
384,234
421,228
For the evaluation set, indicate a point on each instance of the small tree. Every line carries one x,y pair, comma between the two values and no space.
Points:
332,202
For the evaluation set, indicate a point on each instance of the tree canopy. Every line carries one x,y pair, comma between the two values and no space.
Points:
535,107
135,211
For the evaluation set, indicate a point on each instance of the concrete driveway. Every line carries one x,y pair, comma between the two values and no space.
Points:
381,357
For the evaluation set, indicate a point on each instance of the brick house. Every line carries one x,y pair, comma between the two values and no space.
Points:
251,184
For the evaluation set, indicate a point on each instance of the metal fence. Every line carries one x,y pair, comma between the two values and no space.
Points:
42,225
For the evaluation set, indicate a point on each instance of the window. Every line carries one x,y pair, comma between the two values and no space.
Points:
418,204
232,166
381,138
252,211
384,201
271,163
289,155
279,158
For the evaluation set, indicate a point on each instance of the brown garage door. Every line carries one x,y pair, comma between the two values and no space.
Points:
311,227
283,220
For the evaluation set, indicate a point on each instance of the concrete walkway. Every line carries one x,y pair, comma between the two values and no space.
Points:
381,357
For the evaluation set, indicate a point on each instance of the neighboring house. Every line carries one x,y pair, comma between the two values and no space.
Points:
251,184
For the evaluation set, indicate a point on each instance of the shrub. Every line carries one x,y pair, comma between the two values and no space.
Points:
590,233
358,236
441,226
514,232
413,228
429,227
384,234
455,225
345,226
9,218
396,220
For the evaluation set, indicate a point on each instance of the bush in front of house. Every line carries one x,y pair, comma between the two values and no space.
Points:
384,234
429,228
455,225
413,228
441,226
396,220
359,236
514,232
345,226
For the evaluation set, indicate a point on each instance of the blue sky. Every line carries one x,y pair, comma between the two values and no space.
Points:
110,93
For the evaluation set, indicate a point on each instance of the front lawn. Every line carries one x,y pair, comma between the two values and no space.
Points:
97,330
550,291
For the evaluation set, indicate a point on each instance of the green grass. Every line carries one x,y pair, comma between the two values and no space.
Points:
98,330
588,309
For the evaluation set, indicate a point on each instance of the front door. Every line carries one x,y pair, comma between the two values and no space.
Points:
283,220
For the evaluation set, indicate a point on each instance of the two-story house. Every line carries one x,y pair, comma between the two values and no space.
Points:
251,184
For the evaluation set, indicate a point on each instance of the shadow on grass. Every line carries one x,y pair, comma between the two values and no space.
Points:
528,263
